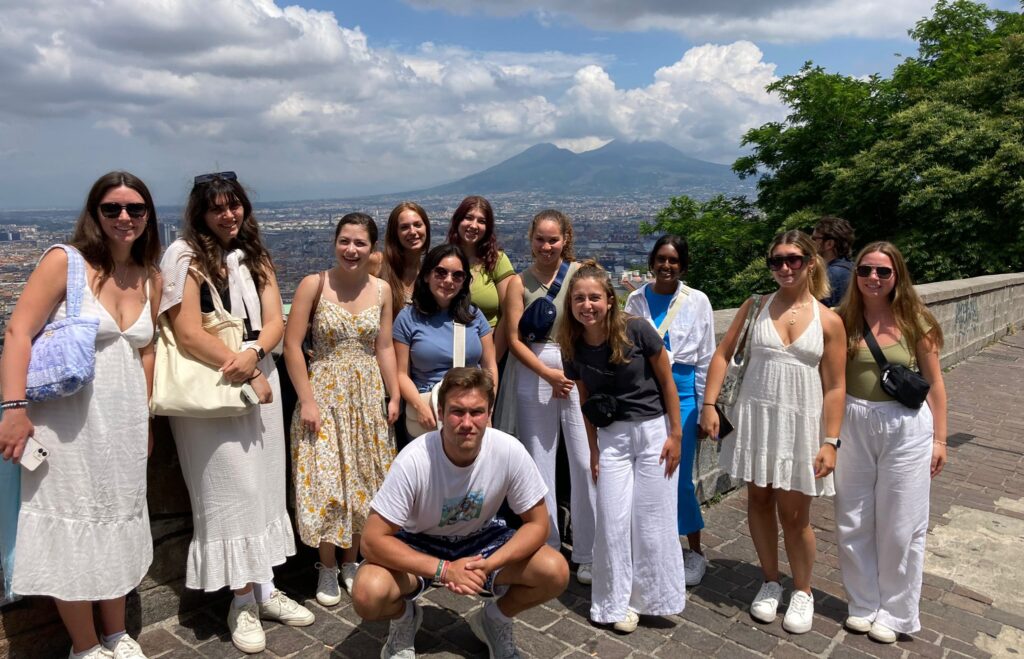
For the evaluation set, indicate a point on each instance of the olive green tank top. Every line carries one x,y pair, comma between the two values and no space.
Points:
863,377
533,289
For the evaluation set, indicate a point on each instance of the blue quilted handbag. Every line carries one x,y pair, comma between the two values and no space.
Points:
64,352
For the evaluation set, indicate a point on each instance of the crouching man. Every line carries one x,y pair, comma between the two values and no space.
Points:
434,521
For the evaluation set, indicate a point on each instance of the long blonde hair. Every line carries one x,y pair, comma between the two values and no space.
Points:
912,316
571,330
817,279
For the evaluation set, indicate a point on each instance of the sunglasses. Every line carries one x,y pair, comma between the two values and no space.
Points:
209,178
794,261
883,272
112,211
442,273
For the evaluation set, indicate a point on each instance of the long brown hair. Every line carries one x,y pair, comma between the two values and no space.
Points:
817,278
89,239
209,254
912,316
394,253
571,330
487,249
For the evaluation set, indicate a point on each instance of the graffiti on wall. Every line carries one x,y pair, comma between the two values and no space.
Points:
965,320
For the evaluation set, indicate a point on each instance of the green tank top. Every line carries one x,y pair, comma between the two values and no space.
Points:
533,289
863,377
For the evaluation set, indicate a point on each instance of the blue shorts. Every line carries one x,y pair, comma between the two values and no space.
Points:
484,542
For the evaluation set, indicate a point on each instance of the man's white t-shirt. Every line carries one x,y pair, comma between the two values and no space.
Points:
424,492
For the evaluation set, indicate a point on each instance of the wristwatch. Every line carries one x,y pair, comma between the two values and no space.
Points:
260,352
834,441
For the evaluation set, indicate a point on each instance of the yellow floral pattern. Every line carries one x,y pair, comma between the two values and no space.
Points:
337,471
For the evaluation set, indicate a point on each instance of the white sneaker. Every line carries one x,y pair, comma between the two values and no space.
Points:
628,624
327,591
98,652
766,603
348,575
858,624
496,635
246,630
127,648
285,610
881,633
694,565
585,573
402,636
799,613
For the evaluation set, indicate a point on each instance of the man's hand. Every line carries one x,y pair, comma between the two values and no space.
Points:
465,577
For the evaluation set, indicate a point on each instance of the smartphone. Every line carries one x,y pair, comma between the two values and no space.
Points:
249,394
35,454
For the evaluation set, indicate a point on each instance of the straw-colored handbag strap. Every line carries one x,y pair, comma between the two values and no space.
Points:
755,308
673,309
459,346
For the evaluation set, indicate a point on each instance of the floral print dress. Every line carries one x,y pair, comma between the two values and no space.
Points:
338,470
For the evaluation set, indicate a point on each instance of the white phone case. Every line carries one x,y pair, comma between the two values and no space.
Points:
250,395
35,454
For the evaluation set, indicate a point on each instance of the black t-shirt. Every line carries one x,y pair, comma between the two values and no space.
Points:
633,384
206,306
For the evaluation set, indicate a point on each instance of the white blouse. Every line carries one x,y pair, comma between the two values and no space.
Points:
691,335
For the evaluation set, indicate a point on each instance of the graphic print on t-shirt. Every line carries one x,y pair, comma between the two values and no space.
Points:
462,509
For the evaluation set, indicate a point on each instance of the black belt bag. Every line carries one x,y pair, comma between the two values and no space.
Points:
904,384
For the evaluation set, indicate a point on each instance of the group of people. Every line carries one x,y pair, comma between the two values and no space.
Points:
475,373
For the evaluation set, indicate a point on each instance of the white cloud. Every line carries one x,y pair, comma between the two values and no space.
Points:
700,20
303,106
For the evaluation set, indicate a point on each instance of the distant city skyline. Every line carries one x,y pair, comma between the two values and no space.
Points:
338,99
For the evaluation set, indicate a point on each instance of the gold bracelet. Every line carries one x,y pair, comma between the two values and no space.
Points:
935,441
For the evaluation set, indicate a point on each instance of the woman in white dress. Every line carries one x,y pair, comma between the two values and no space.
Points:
234,467
793,389
83,531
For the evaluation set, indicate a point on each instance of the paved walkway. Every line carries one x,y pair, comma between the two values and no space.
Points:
972,601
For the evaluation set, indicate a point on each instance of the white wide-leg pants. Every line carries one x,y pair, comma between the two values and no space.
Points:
638,563
538,418
882,482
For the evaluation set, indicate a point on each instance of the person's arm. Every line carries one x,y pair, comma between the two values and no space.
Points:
927,353
487,360
384,347
501,329
294,359
709,421
376,261
833,385
595,452
561,386
528,538
410,394
673,447
706,350
148,353
380,546
243,365
44,290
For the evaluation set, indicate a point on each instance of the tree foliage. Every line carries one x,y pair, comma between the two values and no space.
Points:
931,157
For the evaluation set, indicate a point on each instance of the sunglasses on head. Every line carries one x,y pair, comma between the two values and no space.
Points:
112,211
794,261
442,273
209,178
883,272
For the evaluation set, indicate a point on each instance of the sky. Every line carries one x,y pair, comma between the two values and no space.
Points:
343,98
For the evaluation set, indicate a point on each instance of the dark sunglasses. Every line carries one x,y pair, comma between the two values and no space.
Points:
794,261
883,272
209,178
442,273
112,211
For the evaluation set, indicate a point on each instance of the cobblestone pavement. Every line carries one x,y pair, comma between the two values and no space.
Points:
980,492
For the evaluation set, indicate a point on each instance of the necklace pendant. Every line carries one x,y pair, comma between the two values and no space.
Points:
792,321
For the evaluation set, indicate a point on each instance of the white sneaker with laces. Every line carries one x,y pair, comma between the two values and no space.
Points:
585,573
348,575
766,603
246,630
496,635
881,633
127,648
402,636
98,652
858,624
628,624
327,591
285,610
799,613
694,566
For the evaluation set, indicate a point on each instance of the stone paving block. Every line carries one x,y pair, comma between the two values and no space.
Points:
750,636
181,652
539,617
608,648
811,641
220,648
863,643
158,641
359,646
787,651
704,618
284,641
700,640
734,651
964,648
199,627
542,646
328,629
844,652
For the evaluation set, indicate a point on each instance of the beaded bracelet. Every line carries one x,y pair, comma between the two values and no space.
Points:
444,572
439,571
13,404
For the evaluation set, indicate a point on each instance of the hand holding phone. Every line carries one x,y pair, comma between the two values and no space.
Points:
34,455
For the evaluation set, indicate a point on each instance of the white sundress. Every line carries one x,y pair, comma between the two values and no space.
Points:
83,529
778,411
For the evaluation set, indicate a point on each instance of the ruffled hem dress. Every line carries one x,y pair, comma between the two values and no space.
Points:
778,411
83,529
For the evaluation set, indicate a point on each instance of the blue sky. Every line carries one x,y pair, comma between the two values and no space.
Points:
331,98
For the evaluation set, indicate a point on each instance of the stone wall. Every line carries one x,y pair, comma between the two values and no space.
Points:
973,313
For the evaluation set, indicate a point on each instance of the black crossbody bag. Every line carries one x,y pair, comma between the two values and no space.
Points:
904,384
